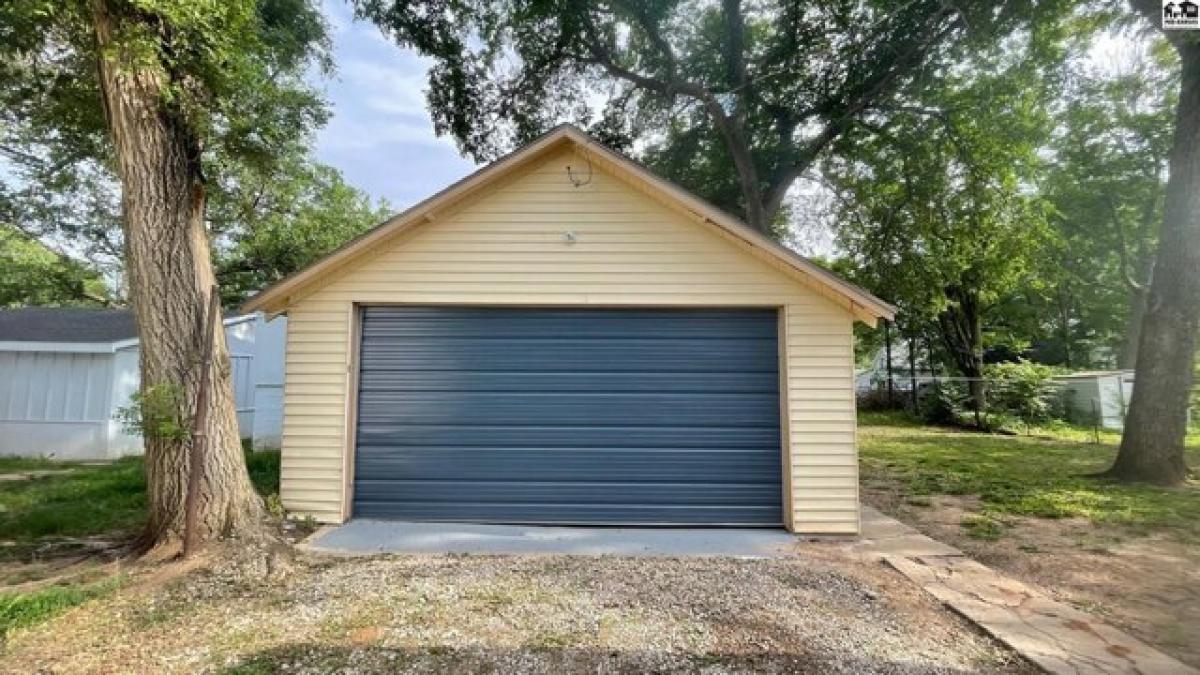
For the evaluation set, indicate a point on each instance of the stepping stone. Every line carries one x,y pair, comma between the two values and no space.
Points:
884,536
1055,636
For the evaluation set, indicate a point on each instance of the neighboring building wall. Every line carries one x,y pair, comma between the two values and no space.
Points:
63,402
1102,398
508,246
55,404
126,376
270,338
240,341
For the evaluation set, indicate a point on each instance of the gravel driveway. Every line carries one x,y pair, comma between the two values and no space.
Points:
509,614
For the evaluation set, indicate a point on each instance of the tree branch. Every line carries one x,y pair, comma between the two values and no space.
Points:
735,54
730,128
807,154
1123,249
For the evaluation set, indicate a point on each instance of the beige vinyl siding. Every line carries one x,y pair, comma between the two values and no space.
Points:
506,246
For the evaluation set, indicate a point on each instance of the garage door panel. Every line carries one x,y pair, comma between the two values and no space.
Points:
537,409
556,492
728,382
490,323
624,464
572,513
577,355
657,436
569,416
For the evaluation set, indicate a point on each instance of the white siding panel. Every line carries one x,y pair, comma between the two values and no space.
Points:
508,246
54,404
54,386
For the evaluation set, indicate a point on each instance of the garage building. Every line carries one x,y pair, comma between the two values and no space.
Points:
564,338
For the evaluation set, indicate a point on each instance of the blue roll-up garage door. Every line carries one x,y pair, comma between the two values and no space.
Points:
569,416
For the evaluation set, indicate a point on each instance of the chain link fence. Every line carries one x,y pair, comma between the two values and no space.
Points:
1099,401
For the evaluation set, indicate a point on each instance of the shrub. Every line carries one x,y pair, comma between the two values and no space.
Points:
1019,393
876,399
944,404
1022,392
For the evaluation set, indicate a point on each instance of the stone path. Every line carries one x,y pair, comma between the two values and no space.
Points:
1055,636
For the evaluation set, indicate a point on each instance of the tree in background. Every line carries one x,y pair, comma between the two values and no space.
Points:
36,275
750,95
265,222
934,205
60,187
275,224
1152,446
148,89
1105,179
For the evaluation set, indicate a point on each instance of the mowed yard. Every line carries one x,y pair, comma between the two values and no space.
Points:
1027,506
1021,504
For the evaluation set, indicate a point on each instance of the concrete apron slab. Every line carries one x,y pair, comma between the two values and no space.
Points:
370,537
1055,636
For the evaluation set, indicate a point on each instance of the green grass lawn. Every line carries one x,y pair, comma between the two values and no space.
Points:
91,500
106,501
1043,475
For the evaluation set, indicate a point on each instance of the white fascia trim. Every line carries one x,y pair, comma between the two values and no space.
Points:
243,318
76,347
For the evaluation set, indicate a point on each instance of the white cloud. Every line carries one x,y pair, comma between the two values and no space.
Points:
381,136
388,88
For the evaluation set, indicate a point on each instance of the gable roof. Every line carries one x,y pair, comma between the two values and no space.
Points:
863,304
66,324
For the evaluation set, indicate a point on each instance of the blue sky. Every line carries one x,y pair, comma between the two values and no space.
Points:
381,136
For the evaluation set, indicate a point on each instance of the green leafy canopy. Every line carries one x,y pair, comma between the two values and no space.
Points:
239,72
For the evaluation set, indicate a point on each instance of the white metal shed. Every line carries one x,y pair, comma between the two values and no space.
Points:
65,372
1098,397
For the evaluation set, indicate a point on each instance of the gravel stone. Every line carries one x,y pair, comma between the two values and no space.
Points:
516,614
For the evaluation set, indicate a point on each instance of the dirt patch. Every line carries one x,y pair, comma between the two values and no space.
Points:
820,613
1149,586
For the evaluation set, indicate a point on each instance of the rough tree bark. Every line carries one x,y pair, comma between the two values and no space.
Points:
170,274
1152,447
1136,275
1127,359
961,329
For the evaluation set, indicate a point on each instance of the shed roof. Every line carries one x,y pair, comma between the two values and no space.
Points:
1087,374
66,324
863,304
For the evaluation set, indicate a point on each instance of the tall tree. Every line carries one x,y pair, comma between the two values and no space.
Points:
147,87
762,88
1152,447
1106,180
275,224
934,207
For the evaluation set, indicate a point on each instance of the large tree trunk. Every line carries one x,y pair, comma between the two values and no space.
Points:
961,328
1127,359
1153,444
1139,285
170,274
